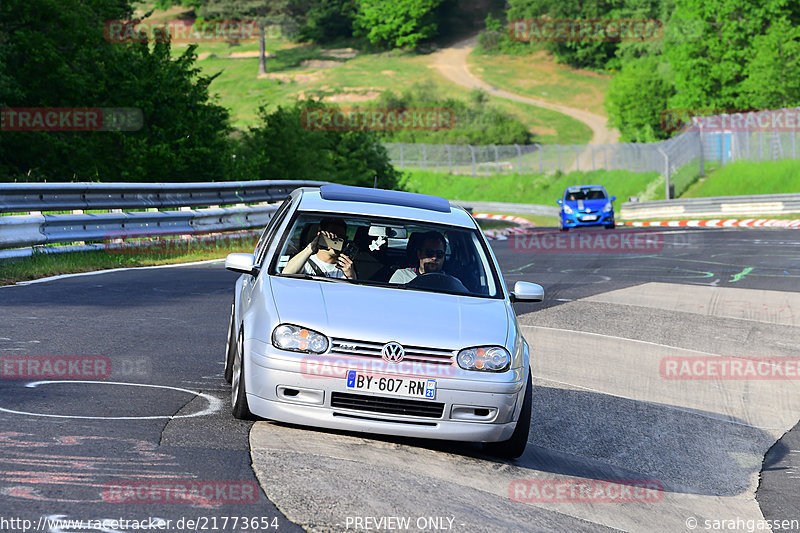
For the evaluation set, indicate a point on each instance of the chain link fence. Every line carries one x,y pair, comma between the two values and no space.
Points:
692,147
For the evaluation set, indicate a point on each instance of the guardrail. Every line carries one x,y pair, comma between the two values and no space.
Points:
722,206
38,229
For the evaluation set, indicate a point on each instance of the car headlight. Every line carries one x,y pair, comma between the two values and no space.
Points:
568,210
299,339
484,358
609,206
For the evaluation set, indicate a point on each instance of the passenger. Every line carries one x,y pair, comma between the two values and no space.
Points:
320,260
430,255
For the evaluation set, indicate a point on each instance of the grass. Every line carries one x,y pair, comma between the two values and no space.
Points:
41,265
745,177
537,75
525,188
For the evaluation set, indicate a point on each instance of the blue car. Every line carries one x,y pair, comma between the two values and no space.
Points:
586,205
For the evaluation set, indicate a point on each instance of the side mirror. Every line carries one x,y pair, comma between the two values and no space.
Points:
613,198
527,292
559,201
241,263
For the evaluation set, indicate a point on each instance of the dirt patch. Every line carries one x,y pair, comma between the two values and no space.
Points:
320,63
353,97
387,72
203,55
243,55
287,78
341,53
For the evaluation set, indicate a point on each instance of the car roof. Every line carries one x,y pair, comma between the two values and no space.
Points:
579,187
344,199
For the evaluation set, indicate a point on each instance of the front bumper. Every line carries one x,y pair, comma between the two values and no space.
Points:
576,221
282,388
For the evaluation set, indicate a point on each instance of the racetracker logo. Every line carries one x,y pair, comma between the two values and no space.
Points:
71,119
180,31
181,491
323,367
730,120
149,243
585,30
586,491
591,242
377,119
730,368
91,367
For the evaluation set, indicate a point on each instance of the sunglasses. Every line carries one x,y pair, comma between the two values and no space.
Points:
428,252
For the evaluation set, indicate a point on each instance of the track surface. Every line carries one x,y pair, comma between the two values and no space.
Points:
601,409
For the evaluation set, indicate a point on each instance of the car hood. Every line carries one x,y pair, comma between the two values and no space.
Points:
382,314
592,205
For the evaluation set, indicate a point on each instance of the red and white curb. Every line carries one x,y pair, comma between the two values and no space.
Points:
523,226
721,223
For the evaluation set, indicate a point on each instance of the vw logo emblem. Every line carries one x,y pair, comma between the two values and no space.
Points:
392,352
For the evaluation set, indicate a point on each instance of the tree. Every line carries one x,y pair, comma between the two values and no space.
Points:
285,14
399,23
773,75
636,101
54,54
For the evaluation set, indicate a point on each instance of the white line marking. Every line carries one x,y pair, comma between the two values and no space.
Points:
214,404
77,274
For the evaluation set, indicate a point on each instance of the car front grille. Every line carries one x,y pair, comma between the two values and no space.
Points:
380,404
415,354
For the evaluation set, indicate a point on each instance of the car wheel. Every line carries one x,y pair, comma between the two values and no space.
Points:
610,226
238,392
515,445
230,347
561,226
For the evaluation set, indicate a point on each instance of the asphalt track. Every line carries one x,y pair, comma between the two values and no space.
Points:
602,408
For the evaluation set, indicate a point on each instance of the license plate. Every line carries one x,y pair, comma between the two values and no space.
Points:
392,385
589,218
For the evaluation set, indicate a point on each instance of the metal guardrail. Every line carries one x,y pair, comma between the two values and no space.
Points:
27,197
501,207
722,206
39,229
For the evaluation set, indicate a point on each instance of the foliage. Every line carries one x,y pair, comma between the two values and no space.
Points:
476,122
280,148
396,24
636,100
328,20
55,55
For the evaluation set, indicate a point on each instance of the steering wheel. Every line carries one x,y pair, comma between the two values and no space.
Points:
438,281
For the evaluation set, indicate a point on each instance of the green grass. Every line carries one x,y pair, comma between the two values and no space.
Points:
526,188
42,265
745,177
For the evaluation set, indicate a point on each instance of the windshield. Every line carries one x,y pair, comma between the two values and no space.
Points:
595,193
400,254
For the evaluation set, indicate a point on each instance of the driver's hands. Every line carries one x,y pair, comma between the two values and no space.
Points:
346,265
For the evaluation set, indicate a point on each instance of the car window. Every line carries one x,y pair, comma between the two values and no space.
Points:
385,253
585,194
266,236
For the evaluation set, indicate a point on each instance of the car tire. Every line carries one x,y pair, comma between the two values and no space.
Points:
610,226
515,445
230,347
238,393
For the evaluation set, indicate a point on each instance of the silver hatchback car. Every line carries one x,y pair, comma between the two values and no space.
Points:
382,312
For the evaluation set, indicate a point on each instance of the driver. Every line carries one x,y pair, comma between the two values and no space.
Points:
430,255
